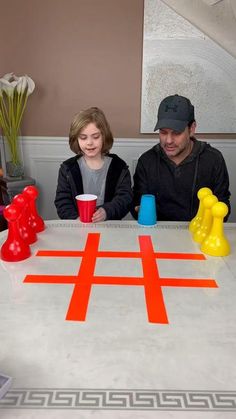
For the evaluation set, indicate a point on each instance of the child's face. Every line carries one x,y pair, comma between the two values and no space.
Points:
90,141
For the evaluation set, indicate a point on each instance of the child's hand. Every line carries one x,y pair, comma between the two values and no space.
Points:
99,215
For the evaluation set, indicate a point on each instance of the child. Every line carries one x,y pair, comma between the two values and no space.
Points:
93,170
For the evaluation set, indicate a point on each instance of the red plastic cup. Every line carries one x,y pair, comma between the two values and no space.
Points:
86,204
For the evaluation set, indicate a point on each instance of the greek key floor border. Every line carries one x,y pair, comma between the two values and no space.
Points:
173,225
113,399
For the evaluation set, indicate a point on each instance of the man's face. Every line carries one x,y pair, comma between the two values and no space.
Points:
176,145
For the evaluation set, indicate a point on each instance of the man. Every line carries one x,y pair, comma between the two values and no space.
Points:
176,168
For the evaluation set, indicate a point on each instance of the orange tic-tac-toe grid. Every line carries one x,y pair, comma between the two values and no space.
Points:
151,280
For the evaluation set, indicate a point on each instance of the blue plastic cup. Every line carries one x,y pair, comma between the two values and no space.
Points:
147,214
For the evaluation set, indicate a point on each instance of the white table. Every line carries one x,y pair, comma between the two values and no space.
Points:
118,357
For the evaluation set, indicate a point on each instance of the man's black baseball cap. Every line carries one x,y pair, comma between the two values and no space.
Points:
175,112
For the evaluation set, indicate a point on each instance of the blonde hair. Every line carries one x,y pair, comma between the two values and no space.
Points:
81,120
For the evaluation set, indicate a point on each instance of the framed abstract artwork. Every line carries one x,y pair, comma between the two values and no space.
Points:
180,59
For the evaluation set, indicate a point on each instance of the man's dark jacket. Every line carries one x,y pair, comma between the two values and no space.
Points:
118,192
175,186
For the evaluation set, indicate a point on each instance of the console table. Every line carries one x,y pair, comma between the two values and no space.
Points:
9,187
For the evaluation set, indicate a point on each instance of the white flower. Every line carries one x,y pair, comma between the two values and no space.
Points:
21,85
25,83
8,86
9,76
31,85
14,93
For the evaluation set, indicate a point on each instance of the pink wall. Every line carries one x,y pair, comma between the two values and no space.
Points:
80,53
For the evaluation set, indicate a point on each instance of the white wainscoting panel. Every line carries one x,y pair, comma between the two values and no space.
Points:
43,156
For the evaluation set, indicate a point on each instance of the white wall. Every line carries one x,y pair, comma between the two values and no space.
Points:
43,156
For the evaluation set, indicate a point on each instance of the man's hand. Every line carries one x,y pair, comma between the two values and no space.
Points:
99,215
137,208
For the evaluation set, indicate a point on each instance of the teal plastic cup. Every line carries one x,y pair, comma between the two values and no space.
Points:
147,215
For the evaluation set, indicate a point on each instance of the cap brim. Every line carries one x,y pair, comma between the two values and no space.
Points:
174,124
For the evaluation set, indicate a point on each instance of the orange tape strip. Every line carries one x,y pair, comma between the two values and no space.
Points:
124,255
153,292
188,282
